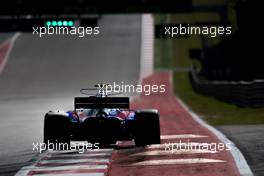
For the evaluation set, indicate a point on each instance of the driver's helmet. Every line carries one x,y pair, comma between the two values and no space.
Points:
109,112
94,112
113,112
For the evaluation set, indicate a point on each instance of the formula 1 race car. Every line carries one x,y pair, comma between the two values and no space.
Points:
102,119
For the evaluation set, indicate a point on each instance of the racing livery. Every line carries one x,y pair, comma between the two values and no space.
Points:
102,119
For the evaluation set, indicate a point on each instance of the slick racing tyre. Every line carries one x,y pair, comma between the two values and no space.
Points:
57,131
147,127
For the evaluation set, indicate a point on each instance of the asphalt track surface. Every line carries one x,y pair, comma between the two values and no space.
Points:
46,73
250,140
5,36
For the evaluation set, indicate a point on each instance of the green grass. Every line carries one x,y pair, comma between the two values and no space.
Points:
174,53
212,110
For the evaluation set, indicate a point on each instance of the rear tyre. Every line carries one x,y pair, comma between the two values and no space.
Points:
57,131
147,127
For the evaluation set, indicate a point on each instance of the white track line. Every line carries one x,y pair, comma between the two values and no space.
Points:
169,145
177,161
65,161
71,174
172,152
240,161
78,155
57,168
12,42
25,170
181,136
147,46
73,158
77,151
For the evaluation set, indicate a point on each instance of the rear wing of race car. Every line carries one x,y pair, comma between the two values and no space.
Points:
101,102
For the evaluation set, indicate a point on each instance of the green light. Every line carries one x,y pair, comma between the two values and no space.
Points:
70,23
59,23
48,23
65,23
54,23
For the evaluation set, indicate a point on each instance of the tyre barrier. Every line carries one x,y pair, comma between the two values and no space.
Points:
240,93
